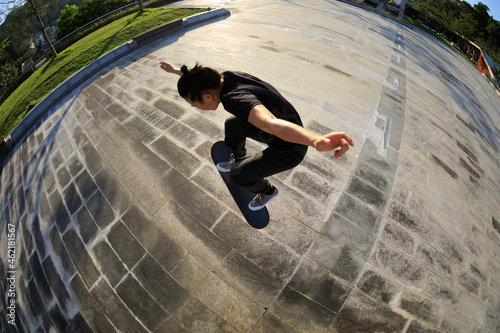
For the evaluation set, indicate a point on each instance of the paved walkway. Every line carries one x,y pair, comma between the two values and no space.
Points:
123,224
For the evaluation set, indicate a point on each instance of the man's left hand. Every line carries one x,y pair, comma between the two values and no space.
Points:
334,140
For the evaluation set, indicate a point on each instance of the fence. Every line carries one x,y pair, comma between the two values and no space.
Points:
83,27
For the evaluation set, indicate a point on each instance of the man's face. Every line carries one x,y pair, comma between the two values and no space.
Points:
209,102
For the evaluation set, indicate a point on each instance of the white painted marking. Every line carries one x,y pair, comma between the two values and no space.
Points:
396,82
386,132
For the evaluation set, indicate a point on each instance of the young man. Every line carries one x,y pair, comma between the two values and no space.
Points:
259,112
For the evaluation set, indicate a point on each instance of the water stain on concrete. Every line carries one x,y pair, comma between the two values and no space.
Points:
496,224
336,70
445,167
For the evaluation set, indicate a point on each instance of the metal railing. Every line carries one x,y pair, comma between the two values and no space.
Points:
58,42
94,21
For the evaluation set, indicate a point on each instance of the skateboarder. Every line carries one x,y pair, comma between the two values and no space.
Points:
259,112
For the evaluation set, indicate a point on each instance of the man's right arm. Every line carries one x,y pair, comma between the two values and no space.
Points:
169,68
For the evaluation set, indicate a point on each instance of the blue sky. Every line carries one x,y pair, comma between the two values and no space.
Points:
493,5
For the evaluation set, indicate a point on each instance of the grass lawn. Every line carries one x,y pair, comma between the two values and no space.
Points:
75,57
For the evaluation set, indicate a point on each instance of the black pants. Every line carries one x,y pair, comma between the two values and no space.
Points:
250,173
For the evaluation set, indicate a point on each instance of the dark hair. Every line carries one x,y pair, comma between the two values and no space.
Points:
196,81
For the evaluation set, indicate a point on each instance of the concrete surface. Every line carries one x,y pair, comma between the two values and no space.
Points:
121,223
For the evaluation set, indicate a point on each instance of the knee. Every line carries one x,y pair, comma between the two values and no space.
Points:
234,127
232,123
242,176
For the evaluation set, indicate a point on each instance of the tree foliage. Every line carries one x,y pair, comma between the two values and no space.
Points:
73,17
4,44
68,21
92,9
473,22
465,24
36,9
7,72
18,33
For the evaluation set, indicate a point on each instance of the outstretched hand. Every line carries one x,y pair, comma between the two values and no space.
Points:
169,68
334,140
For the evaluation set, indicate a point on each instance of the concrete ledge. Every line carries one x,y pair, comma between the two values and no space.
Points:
210,15
166,28
85,73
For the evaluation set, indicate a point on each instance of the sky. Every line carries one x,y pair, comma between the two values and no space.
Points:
493,5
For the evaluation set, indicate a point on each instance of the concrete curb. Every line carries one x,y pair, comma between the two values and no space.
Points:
85,73
206,16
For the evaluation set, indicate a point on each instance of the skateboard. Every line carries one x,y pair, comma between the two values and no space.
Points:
257,219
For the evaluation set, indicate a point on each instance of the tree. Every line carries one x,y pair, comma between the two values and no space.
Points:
4,44
68,21
402,6
482,18
92,9
426,6
34,8
37,8
382,5
493,30
481,14
472,22
466,24
7,72
19,33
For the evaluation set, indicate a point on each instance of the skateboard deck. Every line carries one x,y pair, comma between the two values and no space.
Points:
257,219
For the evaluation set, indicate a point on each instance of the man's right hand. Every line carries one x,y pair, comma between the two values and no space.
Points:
169,68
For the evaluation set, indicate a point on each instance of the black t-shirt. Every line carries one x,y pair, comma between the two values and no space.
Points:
241,92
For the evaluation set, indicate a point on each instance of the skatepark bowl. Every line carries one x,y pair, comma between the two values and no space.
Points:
114,219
